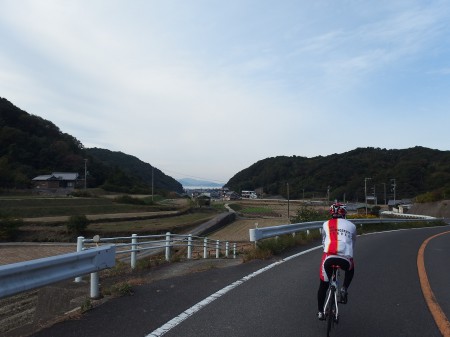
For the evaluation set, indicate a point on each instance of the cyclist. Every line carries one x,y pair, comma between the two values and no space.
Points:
338,240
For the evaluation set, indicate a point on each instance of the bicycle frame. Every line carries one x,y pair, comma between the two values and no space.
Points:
333,290
331,308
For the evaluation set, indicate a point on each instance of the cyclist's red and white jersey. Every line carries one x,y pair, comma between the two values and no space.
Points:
338,237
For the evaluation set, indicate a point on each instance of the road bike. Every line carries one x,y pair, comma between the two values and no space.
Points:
331,308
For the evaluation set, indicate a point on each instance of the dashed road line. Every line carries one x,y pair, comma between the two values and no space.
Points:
195,308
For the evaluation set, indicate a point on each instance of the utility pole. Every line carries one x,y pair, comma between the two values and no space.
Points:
374,195
394,185
85,173
365,191
152,183
287,187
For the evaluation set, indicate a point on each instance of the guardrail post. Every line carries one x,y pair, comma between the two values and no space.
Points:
168,246
189,252
205,248
80,241
217,249
133,250
227,248
234,250
95,292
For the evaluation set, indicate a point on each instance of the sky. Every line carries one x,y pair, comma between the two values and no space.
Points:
205,88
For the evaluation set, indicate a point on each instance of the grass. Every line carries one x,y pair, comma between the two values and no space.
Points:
55,230
152,225
66,206
257,210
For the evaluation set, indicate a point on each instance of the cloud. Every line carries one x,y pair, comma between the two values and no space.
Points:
208,88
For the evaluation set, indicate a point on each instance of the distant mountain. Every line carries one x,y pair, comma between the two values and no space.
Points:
31,146
188,182
410,172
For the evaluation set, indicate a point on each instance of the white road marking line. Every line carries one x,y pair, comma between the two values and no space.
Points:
192,310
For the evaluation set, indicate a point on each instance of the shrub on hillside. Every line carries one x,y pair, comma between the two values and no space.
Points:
77,224
433,196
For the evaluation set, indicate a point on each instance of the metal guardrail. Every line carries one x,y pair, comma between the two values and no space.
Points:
145,245
257,234
154,244
23,276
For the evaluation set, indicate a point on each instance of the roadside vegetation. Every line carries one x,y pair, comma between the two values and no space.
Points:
9,228
33,207
437,195
41,219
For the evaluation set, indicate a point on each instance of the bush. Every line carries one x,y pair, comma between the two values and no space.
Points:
126,199
375,211
307,214
9,228
121,289
86,305
81,194
77,224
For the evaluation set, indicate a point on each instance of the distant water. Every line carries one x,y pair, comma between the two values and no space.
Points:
202,187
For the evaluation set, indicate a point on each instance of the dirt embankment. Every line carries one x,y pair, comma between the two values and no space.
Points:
438,209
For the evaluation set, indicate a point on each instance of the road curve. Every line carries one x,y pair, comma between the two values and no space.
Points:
385,298
440,314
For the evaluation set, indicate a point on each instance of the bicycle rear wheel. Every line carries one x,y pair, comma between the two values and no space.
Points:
331,313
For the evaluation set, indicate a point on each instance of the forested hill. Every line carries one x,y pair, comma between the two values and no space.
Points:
135,167
416,171
31,146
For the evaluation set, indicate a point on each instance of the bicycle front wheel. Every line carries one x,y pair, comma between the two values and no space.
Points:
331,313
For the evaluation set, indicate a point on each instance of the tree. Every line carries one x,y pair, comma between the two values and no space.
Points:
77,224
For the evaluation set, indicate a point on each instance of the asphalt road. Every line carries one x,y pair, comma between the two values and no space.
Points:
385,298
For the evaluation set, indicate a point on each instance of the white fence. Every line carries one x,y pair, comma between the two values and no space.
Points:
154,244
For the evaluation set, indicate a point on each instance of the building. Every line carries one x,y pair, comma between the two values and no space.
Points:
231,196
56,181
400,206
203,199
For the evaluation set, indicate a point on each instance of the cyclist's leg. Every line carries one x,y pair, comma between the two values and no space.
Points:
348,277
321,294
349,268
323,286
